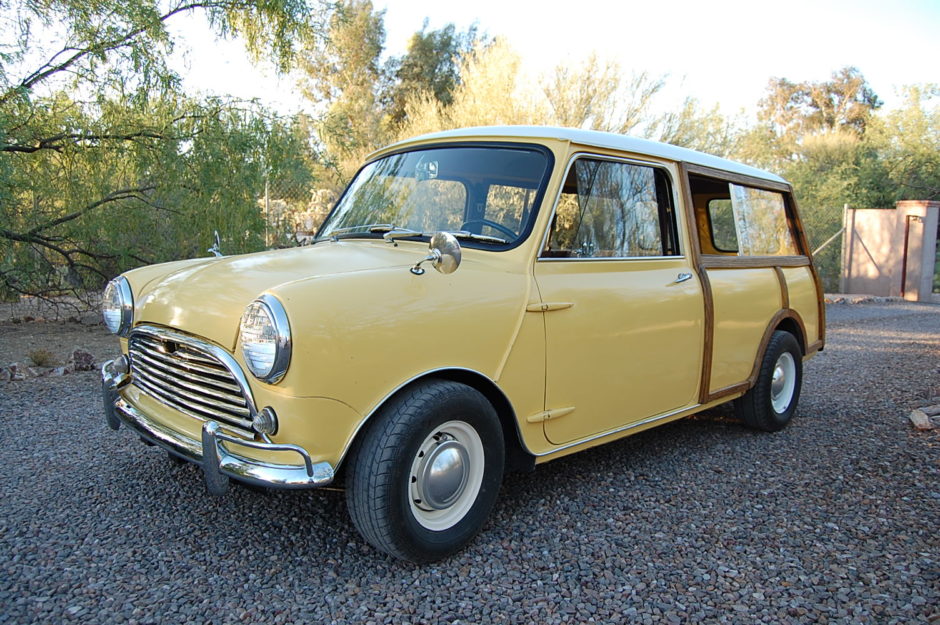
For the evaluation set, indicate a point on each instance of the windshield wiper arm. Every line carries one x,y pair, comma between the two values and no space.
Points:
463,234
338,233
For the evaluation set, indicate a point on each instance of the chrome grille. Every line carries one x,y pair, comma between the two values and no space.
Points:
188,378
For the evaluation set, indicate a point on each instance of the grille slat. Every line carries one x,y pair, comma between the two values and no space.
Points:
188,379
181,389
165,364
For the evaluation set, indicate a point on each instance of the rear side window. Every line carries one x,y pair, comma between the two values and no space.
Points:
760,222
741,220
611,209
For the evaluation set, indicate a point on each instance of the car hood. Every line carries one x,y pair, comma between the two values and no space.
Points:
206,297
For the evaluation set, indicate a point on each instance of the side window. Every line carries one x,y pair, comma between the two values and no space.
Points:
610,209
760,221
739,220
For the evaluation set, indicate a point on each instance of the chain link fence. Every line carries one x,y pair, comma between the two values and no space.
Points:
293,211
825,231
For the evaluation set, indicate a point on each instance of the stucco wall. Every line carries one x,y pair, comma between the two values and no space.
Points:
891,252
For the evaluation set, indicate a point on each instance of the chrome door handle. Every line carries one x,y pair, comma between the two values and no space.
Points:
682,278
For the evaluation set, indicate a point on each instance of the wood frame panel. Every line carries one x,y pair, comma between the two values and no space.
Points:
702,262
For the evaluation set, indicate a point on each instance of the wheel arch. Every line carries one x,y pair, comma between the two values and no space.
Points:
518,458
787,320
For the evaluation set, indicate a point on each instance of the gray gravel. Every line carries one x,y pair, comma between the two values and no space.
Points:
833,520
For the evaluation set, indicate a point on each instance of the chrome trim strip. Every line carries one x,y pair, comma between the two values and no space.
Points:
218,352
307,475
622,428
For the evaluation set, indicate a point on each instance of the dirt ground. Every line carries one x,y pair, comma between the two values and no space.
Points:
18,340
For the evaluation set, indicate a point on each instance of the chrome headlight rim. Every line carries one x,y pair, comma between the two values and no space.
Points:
283,344
126,300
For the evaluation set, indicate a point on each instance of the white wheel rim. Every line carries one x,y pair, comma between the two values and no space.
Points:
446,475
783,383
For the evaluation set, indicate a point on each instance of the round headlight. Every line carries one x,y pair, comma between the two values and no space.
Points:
117,306
265,335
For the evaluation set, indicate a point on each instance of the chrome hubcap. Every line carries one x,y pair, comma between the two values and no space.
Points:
783,382
443,476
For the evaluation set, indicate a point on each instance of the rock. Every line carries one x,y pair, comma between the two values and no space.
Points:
920,421
81,360
59,372
931,411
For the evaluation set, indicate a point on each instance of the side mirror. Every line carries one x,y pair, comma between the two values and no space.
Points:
444,254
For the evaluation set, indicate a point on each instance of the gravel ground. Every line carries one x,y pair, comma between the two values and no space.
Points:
833,520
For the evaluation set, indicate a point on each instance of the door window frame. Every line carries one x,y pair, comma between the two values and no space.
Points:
676,225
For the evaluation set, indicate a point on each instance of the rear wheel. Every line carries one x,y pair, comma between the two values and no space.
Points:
424,476
772,402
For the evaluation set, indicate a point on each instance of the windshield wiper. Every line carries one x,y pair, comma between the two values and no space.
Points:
463,234
339,233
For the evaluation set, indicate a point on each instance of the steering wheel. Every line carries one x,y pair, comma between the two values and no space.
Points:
492,224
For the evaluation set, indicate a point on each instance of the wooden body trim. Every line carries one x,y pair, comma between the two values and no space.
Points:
712,261
784,289
750,181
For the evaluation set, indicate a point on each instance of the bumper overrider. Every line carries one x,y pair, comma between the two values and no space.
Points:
213,452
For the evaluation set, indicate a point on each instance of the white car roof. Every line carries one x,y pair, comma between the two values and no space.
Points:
604,140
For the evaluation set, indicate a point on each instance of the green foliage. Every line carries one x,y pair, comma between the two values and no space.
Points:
104,166
831,142
142,184
432,65
361,101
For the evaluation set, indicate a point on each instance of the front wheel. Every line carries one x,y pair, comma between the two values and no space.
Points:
771,403
424,475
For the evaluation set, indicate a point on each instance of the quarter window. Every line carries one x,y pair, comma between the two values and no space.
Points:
611,209
739,220
760,221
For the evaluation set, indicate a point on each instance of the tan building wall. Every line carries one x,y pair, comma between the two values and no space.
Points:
892,252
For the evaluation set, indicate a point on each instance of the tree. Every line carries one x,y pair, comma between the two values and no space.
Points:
596,95
431,64
490,92
103,165
343,78
793,110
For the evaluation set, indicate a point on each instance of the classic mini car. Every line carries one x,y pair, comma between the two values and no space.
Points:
478,300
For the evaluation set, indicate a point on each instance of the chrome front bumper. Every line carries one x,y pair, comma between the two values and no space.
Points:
211,453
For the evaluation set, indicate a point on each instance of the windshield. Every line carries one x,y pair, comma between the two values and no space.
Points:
484,194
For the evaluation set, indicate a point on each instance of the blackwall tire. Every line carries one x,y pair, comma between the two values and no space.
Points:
772,402
424,475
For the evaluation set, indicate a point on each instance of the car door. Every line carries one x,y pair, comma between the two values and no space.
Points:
623,307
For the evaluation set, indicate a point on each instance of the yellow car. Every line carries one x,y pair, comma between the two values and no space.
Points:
478,300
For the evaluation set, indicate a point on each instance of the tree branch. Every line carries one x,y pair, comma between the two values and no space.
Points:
121,194
57,142
54,66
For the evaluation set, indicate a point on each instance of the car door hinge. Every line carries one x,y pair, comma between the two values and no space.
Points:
547,306
549,414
